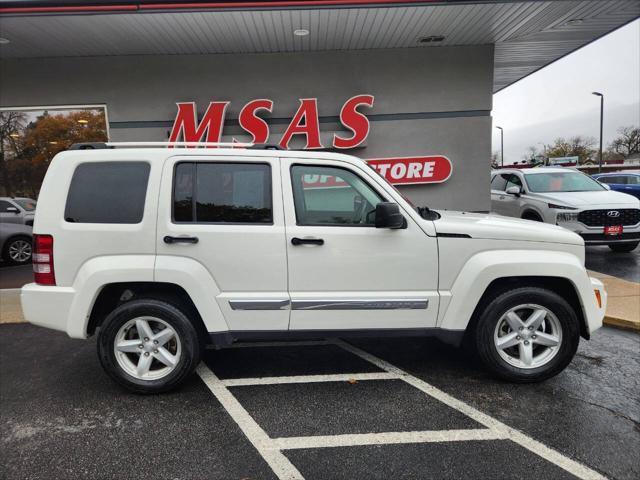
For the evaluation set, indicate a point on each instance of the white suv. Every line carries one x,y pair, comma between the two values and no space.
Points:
163,250
569,198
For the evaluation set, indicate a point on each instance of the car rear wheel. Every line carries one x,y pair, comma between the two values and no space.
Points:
527,335
623,247
17,250
148,346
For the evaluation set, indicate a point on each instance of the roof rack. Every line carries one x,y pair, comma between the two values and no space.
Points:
102,145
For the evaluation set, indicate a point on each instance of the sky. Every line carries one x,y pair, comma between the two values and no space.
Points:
556,101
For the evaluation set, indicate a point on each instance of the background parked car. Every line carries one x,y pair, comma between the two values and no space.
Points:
17,210
15,243
625,182
571,199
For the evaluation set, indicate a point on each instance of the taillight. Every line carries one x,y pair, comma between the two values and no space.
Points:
42,259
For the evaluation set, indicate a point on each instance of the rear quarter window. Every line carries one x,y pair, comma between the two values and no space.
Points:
107,192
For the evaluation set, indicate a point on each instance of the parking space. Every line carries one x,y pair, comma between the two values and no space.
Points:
369,409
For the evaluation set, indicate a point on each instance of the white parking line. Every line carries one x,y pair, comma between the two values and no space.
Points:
512,434
280,464
341,377
271,448
386,438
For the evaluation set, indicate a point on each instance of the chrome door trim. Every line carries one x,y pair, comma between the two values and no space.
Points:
259,304
360,304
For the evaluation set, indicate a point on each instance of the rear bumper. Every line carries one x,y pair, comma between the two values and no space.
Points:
47,306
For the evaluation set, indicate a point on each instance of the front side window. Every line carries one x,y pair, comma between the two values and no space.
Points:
107,192
208,192
514,181
332,196
26,203
562,182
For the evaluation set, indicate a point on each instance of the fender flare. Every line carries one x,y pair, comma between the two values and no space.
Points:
186,273
458,304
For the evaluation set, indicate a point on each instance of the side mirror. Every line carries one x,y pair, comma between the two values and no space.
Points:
388,216
12,210
515,190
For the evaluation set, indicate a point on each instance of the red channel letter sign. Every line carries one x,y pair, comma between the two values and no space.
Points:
409,170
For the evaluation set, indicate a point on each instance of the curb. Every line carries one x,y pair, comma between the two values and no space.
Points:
621,323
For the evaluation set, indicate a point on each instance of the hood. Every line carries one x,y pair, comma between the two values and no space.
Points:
496,227
589,199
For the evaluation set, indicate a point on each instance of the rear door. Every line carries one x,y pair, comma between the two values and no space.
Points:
344,273
232,207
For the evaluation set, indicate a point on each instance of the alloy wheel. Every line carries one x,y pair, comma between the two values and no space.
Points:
147,348
20,251
528,336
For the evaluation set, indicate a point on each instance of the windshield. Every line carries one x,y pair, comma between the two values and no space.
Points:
26,204
562,182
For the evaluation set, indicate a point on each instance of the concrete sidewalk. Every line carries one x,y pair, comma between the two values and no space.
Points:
623,309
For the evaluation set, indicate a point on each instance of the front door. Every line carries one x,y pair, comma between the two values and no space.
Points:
225,213
344,273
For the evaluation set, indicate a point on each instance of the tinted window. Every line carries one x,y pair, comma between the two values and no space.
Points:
633,180
222,193
499,182
612,180
107,192
26,203
332,196
4,205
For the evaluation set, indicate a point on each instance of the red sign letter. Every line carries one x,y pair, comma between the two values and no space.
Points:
186,120
305,122
354,121
253,124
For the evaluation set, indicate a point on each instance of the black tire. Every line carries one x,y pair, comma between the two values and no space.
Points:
13,241
623,247
532,216
169,313
487,322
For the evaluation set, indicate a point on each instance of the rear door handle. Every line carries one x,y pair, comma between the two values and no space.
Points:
306,241
169,239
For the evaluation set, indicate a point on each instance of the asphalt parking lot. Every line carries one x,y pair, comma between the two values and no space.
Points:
401,408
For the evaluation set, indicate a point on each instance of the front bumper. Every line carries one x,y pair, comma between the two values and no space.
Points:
595,316
602,239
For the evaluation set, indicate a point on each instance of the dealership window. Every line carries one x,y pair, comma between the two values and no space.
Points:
207,192
107,192
332,196
31,136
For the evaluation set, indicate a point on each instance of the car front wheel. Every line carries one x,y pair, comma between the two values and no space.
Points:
527,335
148,346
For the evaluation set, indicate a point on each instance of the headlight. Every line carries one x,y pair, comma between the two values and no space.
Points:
567,217
560,207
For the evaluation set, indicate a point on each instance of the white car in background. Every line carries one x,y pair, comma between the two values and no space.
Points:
571,199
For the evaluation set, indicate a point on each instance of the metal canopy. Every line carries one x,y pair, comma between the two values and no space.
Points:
527,34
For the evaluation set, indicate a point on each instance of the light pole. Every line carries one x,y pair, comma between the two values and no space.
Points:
501,146
598,94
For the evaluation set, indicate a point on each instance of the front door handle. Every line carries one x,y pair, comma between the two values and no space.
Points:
306,241
169,239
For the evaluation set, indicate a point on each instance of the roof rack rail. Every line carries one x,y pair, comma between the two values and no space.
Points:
266,146
101,145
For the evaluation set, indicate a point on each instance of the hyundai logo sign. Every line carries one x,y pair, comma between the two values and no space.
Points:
613,214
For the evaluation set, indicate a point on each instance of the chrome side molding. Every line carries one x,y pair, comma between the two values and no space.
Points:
360,304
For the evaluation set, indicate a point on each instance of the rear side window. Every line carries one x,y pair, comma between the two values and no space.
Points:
208,192
107,192
499,182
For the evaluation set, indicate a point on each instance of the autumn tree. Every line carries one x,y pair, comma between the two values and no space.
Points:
577,146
